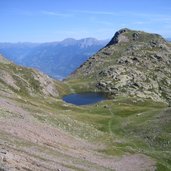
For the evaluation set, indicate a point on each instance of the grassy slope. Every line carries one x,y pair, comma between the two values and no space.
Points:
123,126
25,81
127,128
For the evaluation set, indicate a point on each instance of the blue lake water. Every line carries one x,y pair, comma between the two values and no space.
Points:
84,98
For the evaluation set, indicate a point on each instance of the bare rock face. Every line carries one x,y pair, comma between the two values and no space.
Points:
133,63
47,84
119,37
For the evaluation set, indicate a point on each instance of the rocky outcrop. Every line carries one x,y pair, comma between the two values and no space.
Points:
133,63
119,37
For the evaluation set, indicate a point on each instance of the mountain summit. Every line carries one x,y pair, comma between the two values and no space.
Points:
126,35
132,64
119,37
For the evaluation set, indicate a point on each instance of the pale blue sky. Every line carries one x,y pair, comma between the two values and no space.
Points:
54,20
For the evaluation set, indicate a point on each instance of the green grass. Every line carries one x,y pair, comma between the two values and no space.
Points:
123,125
6,114
133,128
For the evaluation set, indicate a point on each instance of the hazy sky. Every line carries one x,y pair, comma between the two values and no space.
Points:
53,20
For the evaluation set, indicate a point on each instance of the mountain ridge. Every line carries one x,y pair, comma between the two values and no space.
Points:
133,65
26,81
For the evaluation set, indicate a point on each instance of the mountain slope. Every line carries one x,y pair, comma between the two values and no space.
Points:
57,59
135,64
26,81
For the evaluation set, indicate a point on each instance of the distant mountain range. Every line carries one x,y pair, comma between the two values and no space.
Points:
57,59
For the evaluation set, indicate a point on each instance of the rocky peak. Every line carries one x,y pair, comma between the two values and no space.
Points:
126,35
118,37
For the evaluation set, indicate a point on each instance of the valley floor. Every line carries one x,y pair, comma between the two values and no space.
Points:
49,135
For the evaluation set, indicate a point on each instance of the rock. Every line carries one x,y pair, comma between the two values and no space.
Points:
101,84
118,37
105,106
135,36
3,152
158,57
4,159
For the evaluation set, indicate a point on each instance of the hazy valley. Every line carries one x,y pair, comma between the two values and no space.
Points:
57,59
